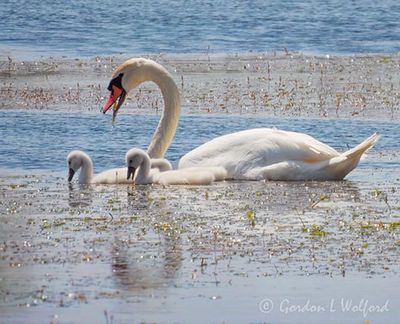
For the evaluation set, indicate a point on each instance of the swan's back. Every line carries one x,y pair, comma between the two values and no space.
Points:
112,176
241,152
190,176
161,164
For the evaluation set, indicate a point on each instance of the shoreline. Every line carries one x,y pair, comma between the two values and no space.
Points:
281,84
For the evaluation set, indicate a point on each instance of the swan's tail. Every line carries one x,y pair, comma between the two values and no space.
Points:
357,151
348,160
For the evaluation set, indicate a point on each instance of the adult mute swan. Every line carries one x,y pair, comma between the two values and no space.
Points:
80,160
139,170
253,154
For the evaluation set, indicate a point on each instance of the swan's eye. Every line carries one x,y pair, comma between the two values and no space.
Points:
69,162
130,161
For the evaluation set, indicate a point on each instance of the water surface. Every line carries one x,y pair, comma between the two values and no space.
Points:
42,140
91,28
123,254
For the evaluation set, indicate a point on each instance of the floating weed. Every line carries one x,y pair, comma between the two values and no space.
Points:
251,215
101,228
45,225
393,226
369,226
87,258
87,219
315,230
377,193
366,226
162,227
206,195
59,223
112,201
315,199
360,252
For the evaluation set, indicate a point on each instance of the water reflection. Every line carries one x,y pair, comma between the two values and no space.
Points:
79,195
142,258
288,196
152,258
153,265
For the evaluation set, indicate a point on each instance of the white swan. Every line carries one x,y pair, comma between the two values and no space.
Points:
161,164
254,154
138,163
80,160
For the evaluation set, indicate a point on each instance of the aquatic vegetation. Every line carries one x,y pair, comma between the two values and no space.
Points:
251,216
393,226
315,230
294,85
63,247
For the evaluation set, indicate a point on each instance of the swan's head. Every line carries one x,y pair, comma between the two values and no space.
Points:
74,162
127,76
134,159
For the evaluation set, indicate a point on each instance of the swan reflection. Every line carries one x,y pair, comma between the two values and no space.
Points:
150,262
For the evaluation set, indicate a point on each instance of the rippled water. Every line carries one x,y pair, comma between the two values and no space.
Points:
118,254
32,140
102,27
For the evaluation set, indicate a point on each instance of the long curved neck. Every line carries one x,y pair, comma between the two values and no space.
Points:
143,173
169,120
86,170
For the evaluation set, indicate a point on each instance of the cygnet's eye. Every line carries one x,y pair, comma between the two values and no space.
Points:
130,161
69,162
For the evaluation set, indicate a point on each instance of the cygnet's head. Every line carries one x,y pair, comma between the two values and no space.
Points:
74,161
134,159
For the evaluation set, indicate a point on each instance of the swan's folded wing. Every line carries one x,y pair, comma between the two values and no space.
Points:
313,150
161,164
183,177
191,176
112,176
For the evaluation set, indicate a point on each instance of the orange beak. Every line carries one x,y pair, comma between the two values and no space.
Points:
115,94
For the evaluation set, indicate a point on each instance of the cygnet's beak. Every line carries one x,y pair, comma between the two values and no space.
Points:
70,174
131,172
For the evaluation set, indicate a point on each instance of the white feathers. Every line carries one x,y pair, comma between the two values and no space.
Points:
273,154
252,154
78,160
139,162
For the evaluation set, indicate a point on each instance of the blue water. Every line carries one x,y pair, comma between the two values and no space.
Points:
41,141
92,27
